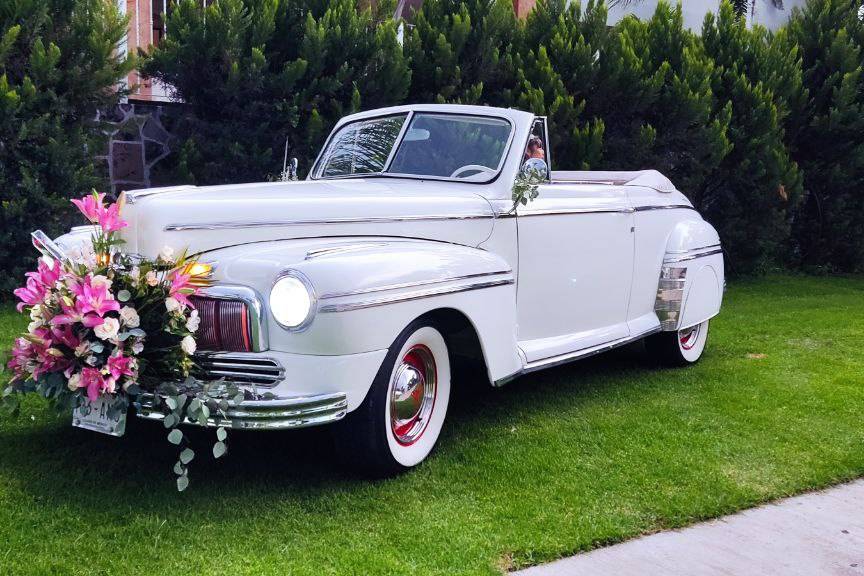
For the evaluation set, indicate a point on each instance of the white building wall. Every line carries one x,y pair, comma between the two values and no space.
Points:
694,12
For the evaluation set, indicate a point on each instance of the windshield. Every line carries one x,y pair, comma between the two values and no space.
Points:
468,148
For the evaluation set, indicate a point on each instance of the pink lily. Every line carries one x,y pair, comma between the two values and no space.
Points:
31,294
119,365
73,314
92,380
109,219
22,355
66,336
180,288
95,299
46,274
91,206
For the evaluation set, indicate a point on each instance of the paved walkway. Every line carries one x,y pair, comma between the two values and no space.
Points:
809,535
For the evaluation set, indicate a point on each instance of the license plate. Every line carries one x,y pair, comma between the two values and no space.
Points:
95,416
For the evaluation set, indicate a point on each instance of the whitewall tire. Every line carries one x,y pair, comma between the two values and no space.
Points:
399,422
681,347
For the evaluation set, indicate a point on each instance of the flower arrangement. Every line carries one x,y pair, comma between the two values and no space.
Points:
113,327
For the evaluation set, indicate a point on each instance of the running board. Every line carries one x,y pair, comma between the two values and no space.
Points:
553,361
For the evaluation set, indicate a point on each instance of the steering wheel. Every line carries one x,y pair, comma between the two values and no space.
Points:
472,167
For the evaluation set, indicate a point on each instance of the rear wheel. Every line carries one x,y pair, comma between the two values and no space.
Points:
679,348
398,424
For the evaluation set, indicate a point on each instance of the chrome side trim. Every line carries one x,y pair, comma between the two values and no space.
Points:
674,259
415,295
257,317
561,211
692,250
277,413
665,207
553,361
135,195
342,249
315,222
410,284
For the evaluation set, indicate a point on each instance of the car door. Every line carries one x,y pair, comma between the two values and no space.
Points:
576,247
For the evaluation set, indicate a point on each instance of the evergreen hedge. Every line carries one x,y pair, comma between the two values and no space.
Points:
58,67
763,131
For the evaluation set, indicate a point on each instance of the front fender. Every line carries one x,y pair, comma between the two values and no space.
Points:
369,289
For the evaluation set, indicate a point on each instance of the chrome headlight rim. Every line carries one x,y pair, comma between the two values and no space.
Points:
310,290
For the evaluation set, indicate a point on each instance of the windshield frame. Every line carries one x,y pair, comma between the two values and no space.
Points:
313,174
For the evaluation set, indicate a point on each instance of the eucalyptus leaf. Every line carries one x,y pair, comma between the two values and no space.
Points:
124,295
97,347
205,410
182,483
170,421
187,456
137,332
195,405
171,403
175,436
219,449
178,468
238,398
221,433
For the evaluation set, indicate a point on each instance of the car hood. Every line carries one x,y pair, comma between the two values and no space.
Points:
206,218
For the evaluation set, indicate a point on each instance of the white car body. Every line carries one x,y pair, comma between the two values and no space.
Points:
598,260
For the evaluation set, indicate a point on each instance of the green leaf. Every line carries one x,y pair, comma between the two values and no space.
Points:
178,468
175,436
221,433
194,406
171,403
124,295
170,421
238,398
187,456
219,449
182,483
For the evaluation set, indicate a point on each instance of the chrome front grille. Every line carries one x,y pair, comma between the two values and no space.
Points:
251,370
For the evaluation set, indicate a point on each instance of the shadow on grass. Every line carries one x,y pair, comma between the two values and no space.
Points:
134,471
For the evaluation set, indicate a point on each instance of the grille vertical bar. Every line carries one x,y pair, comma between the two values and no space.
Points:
224,325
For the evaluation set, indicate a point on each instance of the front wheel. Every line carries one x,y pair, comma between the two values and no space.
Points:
398,424
679,348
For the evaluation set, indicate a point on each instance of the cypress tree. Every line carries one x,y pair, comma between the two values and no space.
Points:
827,137
751,195
58,67
253,72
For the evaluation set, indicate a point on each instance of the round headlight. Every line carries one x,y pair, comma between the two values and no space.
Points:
292,300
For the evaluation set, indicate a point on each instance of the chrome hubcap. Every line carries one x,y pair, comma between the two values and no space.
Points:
689,336
412,395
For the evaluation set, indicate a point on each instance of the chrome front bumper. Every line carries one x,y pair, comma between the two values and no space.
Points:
277,413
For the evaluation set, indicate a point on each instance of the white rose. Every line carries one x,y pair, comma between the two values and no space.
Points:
151,279
188,345
137,347
135,276
193,321
167,254
108,329
130,317
99,280
171,304
74,382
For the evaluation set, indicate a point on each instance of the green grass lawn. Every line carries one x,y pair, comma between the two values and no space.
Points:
554,463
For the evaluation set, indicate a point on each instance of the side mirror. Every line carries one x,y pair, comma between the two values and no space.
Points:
535,170
289,167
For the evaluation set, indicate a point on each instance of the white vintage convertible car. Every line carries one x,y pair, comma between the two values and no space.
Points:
351,294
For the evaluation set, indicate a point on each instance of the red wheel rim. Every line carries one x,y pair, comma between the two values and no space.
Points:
412,394
688,337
